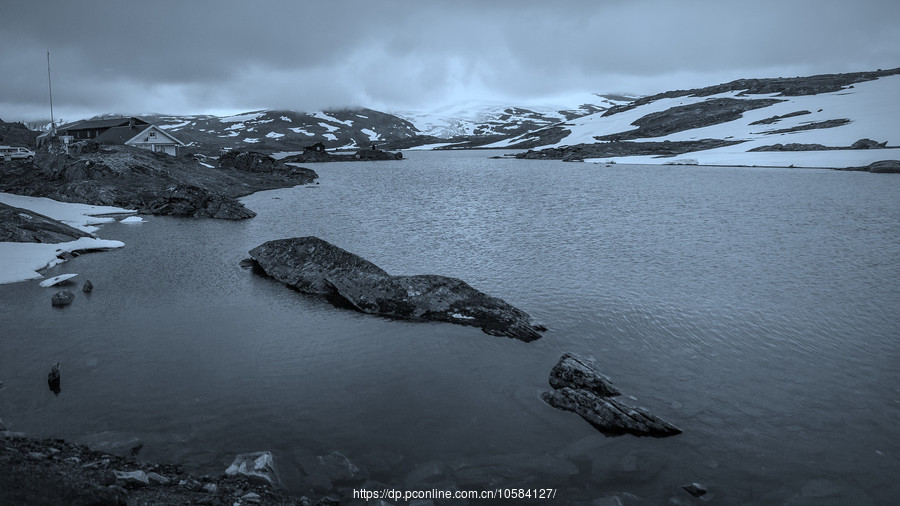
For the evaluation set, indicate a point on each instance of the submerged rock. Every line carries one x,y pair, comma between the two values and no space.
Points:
62,298
87,287
579,387
610,415
314,266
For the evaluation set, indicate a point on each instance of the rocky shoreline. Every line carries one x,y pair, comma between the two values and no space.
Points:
53,471
151,183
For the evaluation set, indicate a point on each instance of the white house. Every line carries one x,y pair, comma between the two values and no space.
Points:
129,131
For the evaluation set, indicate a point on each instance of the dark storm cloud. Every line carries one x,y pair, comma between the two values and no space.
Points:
194,56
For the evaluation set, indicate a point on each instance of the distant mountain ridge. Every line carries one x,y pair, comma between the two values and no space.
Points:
830,120
474,118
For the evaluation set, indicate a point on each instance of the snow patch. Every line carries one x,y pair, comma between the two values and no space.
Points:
81,216
22,260
373,135
274,135
241,117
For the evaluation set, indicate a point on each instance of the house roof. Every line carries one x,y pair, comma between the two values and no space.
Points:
101,124
119,134
134,139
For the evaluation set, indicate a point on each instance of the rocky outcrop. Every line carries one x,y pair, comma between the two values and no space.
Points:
623,148
314,266
195,202
578,386
784,86
884,167
868,144
362,155
687,117
22,225
152,183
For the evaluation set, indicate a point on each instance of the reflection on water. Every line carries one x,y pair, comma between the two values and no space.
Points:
753,308
53,379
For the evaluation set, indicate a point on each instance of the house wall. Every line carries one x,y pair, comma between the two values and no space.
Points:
157,147
158,143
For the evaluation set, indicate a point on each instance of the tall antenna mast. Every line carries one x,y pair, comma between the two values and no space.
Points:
50,86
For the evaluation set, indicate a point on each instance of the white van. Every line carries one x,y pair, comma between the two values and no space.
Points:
16,153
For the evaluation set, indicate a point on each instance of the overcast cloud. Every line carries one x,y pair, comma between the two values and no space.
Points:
181,57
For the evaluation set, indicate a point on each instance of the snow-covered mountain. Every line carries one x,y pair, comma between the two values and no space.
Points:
815,121
274,130
486,118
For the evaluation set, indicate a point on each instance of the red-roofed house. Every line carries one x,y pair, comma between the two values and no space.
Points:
128,131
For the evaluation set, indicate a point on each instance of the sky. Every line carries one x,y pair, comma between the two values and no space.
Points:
224,57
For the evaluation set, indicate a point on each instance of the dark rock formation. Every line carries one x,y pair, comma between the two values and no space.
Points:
829,123
362,155
195,202
580,388
87,287
695,489
687,117
62,298
776,118
53,379
22,225
884,167
251,161
791,146
624,148
152,183
784,86
868,144
575,371
317,267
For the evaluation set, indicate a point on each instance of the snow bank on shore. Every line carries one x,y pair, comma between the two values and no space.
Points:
81,216
20,261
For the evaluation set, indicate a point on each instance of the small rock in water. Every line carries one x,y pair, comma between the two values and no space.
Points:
695,489
87,287
62,298
53,379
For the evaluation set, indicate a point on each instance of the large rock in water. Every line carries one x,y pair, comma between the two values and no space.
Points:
314,266
579,387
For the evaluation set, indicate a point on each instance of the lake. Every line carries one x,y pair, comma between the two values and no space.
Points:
755,308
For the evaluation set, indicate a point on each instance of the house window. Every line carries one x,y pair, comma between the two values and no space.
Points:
152,134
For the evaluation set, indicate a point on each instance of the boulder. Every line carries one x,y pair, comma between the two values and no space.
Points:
87,287
258,467
579,387
62,298
575,371
314,266
132,479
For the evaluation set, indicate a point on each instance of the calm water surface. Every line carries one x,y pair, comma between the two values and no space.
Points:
754,308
